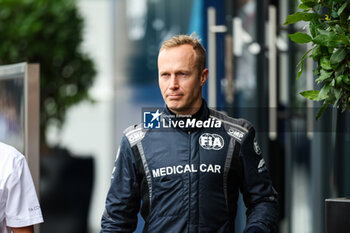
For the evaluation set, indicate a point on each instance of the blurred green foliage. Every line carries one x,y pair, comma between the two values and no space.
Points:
329,33
49,33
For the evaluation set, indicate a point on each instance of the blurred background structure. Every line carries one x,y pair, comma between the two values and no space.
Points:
252,69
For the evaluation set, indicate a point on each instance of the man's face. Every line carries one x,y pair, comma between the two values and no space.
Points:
179,79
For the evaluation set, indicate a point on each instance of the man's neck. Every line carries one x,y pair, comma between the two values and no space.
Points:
187,112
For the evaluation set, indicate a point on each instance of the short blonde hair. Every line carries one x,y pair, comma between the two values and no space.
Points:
192,40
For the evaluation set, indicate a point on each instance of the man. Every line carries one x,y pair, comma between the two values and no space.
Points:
19,206
188,175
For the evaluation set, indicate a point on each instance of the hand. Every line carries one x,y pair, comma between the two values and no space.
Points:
27,229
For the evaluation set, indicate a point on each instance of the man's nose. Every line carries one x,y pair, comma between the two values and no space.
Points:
173,83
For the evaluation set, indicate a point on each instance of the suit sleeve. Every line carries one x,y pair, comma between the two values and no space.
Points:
259,196
123,198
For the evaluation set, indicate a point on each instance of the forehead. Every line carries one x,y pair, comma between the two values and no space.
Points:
180,55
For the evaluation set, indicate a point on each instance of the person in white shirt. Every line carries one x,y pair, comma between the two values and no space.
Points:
19,205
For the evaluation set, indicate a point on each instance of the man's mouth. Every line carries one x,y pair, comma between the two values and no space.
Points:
174,96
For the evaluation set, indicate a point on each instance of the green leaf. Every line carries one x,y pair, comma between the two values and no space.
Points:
300,38
324,92
337,93
338,29
341,9
323,75
303,7
310,1
334,15
322,40
339,80
326,33
316,52
338,56
307,4
344,39
346,79
300,71
325,63
331,98
301,63
311,94
340,70
300,16
317,72
321,111
332,84
328,39
314,26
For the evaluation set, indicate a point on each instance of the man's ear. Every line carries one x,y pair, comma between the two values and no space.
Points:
204,76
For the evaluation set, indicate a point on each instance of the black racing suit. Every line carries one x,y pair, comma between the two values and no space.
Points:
188,179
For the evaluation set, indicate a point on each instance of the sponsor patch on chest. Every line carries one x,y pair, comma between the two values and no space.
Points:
211,141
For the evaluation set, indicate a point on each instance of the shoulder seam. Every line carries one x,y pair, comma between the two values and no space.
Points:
12,151
134,134
229,120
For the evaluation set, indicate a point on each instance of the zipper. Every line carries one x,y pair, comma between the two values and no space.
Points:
189,184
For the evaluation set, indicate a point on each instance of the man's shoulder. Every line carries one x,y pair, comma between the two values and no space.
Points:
134,133
11,159
235,127
9,153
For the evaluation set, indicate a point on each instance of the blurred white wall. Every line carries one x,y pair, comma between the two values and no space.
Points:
88,128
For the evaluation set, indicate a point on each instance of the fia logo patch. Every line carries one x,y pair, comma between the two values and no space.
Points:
211,141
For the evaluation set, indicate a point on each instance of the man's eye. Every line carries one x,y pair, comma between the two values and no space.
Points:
164,75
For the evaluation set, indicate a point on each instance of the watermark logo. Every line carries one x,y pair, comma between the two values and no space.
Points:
158,119
211,141
152,120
